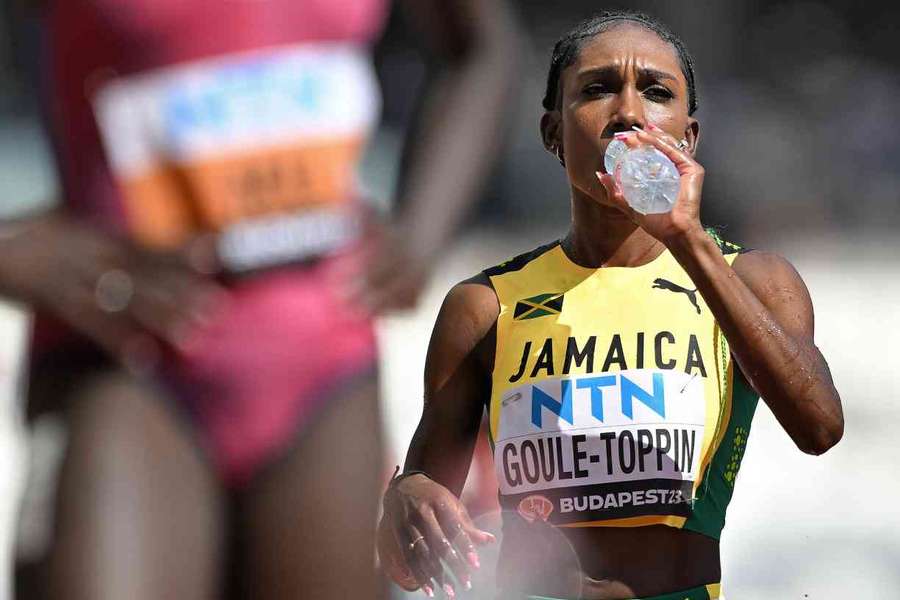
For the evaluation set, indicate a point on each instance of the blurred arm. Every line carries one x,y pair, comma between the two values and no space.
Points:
457,384
766,313
453,143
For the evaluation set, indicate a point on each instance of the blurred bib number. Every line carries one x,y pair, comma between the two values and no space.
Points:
260,148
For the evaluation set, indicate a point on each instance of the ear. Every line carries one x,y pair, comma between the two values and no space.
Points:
692,135
551,131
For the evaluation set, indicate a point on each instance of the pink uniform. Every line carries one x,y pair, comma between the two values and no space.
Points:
245,118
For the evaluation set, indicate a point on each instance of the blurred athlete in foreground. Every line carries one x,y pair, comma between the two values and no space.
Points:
620,365
205,293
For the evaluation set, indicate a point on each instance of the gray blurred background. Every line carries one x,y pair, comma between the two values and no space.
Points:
798,102
799,119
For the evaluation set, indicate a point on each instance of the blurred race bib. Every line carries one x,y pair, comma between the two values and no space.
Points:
259,147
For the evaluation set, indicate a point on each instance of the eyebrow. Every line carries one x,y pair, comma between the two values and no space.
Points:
611,70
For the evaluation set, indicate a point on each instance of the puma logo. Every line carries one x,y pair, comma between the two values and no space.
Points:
665,284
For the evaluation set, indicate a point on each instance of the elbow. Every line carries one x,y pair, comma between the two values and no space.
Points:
824,437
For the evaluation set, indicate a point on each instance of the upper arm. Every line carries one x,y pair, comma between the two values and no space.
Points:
457,383
779,287
467,316
801,394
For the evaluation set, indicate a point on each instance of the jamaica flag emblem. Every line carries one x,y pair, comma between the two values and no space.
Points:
538,306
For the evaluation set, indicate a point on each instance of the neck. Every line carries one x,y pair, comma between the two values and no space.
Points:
603,236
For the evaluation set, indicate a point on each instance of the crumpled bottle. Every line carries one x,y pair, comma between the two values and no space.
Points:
649,180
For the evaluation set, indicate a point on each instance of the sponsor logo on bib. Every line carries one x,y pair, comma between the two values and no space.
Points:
535,507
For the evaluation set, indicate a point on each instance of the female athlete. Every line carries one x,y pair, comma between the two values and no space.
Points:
205,292
620,366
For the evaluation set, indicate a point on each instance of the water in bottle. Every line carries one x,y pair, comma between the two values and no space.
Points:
649,180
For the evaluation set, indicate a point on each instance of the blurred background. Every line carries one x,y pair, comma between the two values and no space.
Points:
799,114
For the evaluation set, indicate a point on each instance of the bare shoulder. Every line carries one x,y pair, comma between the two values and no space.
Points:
779,287
462,340
470,310
474,296
765,271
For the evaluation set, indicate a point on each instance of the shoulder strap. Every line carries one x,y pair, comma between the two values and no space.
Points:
518,262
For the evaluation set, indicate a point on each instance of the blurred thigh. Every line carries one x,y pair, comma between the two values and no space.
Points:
309,522
139,514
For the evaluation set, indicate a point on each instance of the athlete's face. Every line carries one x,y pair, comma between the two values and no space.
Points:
625,76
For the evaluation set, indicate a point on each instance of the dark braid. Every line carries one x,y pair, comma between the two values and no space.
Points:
566,50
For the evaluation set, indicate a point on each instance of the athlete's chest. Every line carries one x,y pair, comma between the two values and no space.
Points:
606,383
602,355
645,319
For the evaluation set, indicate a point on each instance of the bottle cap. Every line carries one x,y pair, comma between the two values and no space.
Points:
614,150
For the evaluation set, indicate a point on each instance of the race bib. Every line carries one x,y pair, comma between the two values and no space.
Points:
604,446
261,147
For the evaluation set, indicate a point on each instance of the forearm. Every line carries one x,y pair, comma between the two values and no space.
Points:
786,369
444,454
454,142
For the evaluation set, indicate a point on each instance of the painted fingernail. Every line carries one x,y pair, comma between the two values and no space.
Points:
491,537
653,127
622,135
636,128
473,560
448,589
428,591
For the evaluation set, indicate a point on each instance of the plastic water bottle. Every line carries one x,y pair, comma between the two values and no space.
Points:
649,180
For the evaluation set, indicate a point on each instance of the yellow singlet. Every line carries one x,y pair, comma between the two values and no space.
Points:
615,401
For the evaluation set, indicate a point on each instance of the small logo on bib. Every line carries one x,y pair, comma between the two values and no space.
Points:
535,507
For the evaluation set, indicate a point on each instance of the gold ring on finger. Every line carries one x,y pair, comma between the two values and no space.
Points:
413,543
113,291
682,145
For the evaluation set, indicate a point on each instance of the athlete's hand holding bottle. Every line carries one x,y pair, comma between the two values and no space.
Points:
423,524
684,216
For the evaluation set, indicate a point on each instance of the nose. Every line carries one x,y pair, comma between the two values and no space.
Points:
629,111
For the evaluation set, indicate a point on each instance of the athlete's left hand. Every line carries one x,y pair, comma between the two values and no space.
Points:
685,214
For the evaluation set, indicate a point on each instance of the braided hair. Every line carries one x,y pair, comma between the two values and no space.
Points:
567,48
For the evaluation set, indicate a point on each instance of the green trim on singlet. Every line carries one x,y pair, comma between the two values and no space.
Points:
708,516
715,492
725,246
697,593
